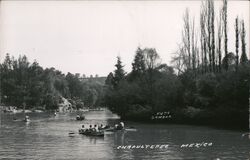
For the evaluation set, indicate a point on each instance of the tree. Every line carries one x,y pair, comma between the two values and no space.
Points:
230,60
194,46
110,79
237,41
138,66
119,72
208,14
243,58
186,37
203,37
152,63
213,35
151,58
208,35
225,31
219,39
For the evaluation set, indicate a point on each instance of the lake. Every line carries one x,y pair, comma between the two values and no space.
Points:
46,137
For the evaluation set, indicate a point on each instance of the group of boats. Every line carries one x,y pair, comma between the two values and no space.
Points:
78,117
92,131
99,130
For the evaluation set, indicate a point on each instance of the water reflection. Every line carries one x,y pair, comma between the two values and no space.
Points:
46,137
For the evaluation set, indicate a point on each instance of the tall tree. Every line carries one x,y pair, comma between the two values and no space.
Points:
213,35
152,63
119,72
237,41
186,36
243,58
138,66
209,32
194,46
203,35
110,79
225,31
187,52
219,39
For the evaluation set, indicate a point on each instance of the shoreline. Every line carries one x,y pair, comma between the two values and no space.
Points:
190,122
198,124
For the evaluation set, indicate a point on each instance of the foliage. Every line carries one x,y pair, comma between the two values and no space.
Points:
218,98
25,84
148,88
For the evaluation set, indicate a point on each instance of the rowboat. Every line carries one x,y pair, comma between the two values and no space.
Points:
91,133
113,129
26,119
80,118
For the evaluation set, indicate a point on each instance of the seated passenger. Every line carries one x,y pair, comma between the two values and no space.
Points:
101,127
83,128
90,128
96,128
122,125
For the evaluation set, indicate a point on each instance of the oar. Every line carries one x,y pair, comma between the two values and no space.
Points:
71,132
130,129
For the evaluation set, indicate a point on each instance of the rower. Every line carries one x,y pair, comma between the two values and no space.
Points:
101,127
90,128
96,128
122,125
116,126
83,128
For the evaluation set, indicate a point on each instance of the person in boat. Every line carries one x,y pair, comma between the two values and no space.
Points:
106,126
27,118
116,126
83,129
90,128
96,128
122,125
101,127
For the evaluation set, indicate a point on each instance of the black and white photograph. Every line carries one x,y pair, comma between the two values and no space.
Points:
124,80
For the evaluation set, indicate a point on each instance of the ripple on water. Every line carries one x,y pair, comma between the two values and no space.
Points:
46,137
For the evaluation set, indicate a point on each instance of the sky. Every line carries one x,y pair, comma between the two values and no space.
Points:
86,37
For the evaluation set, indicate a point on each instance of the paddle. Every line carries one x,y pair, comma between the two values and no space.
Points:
71,132
130,129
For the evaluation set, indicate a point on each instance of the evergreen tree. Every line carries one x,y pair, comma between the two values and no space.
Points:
119,72
138,66
110,79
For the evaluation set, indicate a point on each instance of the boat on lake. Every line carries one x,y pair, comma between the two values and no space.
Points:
80,118
26,119
89,132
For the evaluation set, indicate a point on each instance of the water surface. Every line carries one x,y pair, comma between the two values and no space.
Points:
46,137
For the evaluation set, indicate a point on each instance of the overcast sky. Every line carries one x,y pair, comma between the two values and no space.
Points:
85,37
